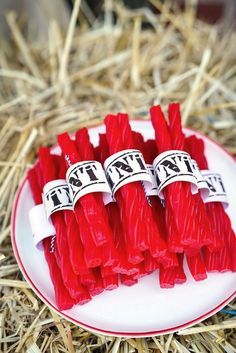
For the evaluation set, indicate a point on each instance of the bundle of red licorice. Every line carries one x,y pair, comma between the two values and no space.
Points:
128,207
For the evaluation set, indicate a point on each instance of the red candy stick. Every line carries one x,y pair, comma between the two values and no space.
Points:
128,280
88,278
97,287
195,264
167,277
223,259
150,264
109,252
130,193
155,243
139,218
196,267
94,215
71,280
111,282
178,142
76,249
129,255
180,277
155,240
178,200
150,152
63,299
92,253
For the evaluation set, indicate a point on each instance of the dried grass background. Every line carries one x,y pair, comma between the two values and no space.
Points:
75,80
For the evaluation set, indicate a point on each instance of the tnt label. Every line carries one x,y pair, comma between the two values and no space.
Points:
56,196
216,187
172,166
86,177
126,167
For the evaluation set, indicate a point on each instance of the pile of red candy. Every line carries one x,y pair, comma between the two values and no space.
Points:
99,244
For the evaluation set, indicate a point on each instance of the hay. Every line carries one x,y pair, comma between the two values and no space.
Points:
73,81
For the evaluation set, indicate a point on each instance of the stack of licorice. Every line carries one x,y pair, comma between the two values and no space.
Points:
97,245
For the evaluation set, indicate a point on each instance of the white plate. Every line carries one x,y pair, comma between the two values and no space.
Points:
144,309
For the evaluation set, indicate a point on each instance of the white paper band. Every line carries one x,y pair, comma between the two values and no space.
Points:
201,182
125,167
41,226
56,196
153,190
172,166
107,198
86,177
216,187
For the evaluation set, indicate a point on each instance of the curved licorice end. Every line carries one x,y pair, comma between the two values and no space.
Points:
162,136
84,145
47,164
68,149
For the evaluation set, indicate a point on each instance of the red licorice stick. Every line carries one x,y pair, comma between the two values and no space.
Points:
223,259
155,239
92,253
130,194
71,280
150,264
167,277
156,244
167,225
179,202
111,282
128,280
63,298
196,267
149,151
98,226
76,249
142,271
137,210
180,277
173,235
130,256
86,150
124,266
204,235
97,287
88,279
218,242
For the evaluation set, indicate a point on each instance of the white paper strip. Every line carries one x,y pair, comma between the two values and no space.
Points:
41,226
201,182
125,167
216,187
86,177
56,196
172,166
153,191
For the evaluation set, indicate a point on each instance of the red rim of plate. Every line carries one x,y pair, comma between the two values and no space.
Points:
97,329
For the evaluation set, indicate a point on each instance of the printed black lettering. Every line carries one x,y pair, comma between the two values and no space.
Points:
90,172
122,166
210,184
53,195
168,164
67,192
75,182
222,185
158,180
188,164
140,162
110,181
